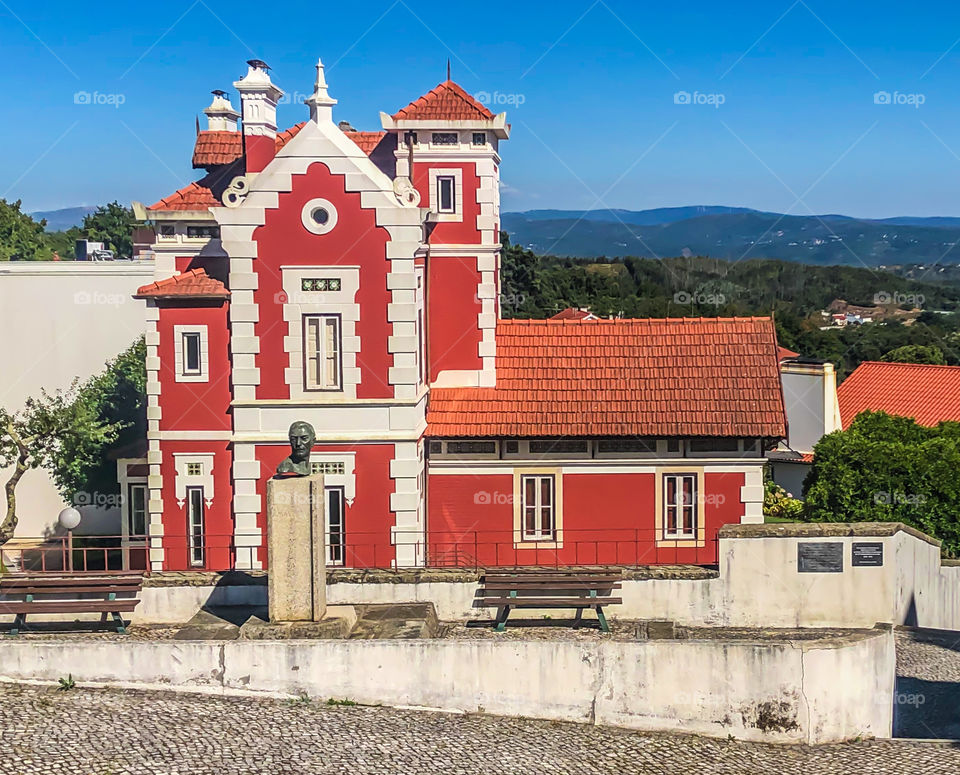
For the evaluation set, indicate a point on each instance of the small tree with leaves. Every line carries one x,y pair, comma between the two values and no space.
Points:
112,224
48,430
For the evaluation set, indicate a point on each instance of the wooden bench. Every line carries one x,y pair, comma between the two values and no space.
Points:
536,588
68,593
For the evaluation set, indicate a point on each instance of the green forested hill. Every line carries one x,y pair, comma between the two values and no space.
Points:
536,286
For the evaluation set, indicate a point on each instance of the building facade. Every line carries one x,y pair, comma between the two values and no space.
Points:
351,280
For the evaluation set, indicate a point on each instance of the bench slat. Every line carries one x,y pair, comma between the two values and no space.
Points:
68,606
551,602
558,585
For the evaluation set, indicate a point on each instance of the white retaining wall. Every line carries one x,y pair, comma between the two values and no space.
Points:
801,691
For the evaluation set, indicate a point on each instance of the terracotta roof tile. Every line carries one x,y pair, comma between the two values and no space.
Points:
929,394
446,102
572,313
216,148
668,377
194,283
194,196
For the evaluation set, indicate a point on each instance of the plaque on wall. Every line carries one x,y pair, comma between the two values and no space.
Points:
868,554
820,557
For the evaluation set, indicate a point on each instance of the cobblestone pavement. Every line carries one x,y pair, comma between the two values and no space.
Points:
109,732
928,685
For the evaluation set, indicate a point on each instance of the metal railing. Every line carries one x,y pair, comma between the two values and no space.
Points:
470,549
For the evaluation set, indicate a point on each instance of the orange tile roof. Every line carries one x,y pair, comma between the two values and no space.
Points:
215,148
572,313
664,377
194,196
786,354
926,393
194,283
446,102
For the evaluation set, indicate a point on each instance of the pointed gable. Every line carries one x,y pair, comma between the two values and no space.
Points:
446,102
194,284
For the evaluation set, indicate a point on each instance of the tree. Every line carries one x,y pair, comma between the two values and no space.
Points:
916,353
70,433
885,468
21,237
112,224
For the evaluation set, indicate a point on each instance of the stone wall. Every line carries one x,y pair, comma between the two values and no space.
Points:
804,691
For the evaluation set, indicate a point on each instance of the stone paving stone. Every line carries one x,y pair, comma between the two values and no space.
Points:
109,732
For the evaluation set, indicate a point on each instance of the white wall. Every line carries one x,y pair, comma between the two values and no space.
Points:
62,320
800,691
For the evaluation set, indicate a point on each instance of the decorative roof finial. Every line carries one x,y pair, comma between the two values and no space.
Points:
320,102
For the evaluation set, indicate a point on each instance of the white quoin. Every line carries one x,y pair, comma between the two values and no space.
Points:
258,100
320,102
221,115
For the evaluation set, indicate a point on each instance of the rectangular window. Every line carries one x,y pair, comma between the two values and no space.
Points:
680,506
471,447
195,520
203,232
641,446
409,138
330,468
538,507
167,231
137,510
479,138
714,445
322,356
194,469
557,447
445,138
190,346
446,194
336,527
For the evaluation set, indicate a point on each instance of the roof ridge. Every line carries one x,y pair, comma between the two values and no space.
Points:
634,321
899,363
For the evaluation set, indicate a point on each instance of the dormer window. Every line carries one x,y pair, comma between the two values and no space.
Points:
446,194
445,138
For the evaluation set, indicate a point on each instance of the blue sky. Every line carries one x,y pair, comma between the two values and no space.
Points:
590,88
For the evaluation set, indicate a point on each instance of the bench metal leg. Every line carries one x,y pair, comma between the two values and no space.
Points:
577,619
603,619
118,620
502,618
18,624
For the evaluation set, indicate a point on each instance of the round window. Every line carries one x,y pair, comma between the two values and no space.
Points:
319,216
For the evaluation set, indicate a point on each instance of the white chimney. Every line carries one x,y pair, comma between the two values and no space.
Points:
221,116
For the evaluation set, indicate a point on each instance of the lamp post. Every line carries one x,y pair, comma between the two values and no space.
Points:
69,519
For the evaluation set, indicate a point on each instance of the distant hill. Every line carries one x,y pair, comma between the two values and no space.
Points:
736,233
61,220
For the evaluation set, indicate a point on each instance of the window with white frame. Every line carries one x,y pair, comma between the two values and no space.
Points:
190,354
322,367
446,194
136,510
336,526
195,525
680,505
538,507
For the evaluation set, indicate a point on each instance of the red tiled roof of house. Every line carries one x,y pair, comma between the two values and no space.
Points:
926,393
572,313
194,283
664,377
446,102
785,354
194,196
216,148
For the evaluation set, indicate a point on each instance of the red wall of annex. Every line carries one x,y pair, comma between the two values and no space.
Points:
462,232
191,406
218,517
356,240
453,309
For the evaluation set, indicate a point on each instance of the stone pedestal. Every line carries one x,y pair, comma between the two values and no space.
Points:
296,549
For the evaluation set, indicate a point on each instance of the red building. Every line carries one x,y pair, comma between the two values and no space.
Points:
351,280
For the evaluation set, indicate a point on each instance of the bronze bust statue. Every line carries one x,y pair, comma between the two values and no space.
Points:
302,435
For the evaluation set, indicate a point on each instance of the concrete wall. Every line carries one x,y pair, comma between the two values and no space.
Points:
62,320
813,691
